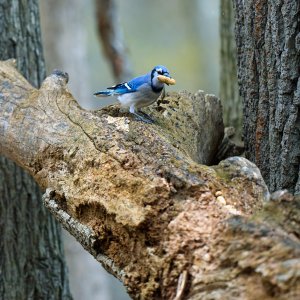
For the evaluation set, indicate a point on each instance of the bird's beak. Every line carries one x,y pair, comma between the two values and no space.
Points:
166,80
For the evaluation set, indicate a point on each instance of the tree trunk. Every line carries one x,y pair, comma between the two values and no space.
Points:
268,48
229,92
32,263
134,197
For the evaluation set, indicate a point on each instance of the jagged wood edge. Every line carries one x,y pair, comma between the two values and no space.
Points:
82,233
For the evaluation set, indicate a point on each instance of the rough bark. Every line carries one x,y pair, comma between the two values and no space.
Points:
112,41
268,49
165,225
21,38
31,261
229,91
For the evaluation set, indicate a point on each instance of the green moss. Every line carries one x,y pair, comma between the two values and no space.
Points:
221,173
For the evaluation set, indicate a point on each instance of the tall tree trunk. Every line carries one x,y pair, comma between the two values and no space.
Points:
268,48
229,92
32,264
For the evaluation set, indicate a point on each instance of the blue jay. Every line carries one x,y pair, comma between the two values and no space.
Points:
140,92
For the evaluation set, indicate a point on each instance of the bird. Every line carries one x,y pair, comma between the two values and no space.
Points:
141,91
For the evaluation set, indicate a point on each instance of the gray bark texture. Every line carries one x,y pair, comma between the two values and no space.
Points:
268,50
31,261
229,91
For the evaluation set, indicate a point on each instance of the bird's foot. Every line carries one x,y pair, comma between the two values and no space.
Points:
143,117
146,116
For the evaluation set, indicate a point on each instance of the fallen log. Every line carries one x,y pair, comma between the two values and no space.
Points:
142,199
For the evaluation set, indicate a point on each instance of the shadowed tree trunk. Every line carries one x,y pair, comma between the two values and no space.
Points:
268,49
229,92
31,261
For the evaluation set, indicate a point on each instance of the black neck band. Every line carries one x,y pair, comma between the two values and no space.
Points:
154,88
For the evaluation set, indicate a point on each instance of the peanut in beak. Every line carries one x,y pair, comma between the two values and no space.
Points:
166,79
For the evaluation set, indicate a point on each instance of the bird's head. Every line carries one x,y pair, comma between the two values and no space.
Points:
161,75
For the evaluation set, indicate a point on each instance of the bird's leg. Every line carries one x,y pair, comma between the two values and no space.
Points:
163,94
146,116
139,116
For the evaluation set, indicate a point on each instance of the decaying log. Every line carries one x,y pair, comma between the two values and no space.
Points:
135,196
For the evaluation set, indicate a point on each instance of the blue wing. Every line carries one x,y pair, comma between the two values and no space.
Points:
124,88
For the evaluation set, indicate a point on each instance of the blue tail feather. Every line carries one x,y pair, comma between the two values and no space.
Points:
103,93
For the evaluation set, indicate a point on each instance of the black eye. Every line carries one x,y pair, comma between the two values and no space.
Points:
160,72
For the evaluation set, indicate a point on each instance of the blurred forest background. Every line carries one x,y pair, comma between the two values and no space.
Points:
182,35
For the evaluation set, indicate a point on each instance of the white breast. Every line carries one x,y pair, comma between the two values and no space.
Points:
141,98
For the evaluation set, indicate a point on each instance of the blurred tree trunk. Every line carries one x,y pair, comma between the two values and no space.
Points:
229,92
112,41
65,41
32,264
268,49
